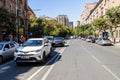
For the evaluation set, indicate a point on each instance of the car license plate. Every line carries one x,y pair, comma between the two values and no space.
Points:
24,57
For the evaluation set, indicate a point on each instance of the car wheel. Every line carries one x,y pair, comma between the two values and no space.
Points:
1,59
44,58
50,52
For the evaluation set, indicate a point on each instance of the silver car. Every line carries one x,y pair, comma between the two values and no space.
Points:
7,50
104,41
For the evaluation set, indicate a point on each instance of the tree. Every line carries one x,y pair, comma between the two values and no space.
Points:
100,25
83,30
7,21
113,16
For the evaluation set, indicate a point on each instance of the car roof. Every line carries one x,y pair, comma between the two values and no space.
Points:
36,39
4,42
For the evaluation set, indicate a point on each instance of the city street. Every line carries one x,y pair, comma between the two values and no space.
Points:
78,60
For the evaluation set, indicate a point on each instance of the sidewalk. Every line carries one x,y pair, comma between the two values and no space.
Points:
117,44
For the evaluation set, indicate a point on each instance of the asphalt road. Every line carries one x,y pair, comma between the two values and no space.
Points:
78,60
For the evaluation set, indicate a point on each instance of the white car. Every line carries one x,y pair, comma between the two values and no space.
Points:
33,50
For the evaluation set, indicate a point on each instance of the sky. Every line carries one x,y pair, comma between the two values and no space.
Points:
53,8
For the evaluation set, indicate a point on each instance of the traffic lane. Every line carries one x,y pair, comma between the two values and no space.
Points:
109,56
9,71
39,74
77,64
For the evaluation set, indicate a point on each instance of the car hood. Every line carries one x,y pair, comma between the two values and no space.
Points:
29,48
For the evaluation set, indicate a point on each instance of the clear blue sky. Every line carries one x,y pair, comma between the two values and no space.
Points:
53,8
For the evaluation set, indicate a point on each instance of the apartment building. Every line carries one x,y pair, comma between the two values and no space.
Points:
63,19
86,11
70,24
101,8
21,9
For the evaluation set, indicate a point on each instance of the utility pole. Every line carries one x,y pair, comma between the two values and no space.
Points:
26,19
17,27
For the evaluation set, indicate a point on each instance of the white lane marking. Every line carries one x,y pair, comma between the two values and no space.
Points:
116,77
51,67
41,68
104,66
7,63
4,68
30,78
98,61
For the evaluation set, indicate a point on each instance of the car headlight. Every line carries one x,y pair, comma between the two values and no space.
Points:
37,50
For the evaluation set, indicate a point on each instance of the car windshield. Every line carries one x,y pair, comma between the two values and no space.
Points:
58,38
33,43
1,46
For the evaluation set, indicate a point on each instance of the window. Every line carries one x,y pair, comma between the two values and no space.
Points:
7,46
4,2
12,45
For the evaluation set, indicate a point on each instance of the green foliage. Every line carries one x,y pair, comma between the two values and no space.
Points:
48,27
100,24
113,16
83,30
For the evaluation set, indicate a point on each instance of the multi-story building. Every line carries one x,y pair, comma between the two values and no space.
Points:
101,8
70,24
87,10
63,19
78,23
21,9
99,11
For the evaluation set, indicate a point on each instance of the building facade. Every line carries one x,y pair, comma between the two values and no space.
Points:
99,11
70,24
101,8
63,19
20,9
87,10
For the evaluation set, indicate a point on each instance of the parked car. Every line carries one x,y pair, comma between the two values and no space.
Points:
89,39
7,50
33,50
104,41
49,38
94,40
97,40
58,41
15,43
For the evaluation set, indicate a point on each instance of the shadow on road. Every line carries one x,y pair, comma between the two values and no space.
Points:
13,72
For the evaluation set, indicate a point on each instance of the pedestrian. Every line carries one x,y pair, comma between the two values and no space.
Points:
23,39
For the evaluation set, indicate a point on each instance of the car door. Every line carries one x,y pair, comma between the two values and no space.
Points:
12,49
6,51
